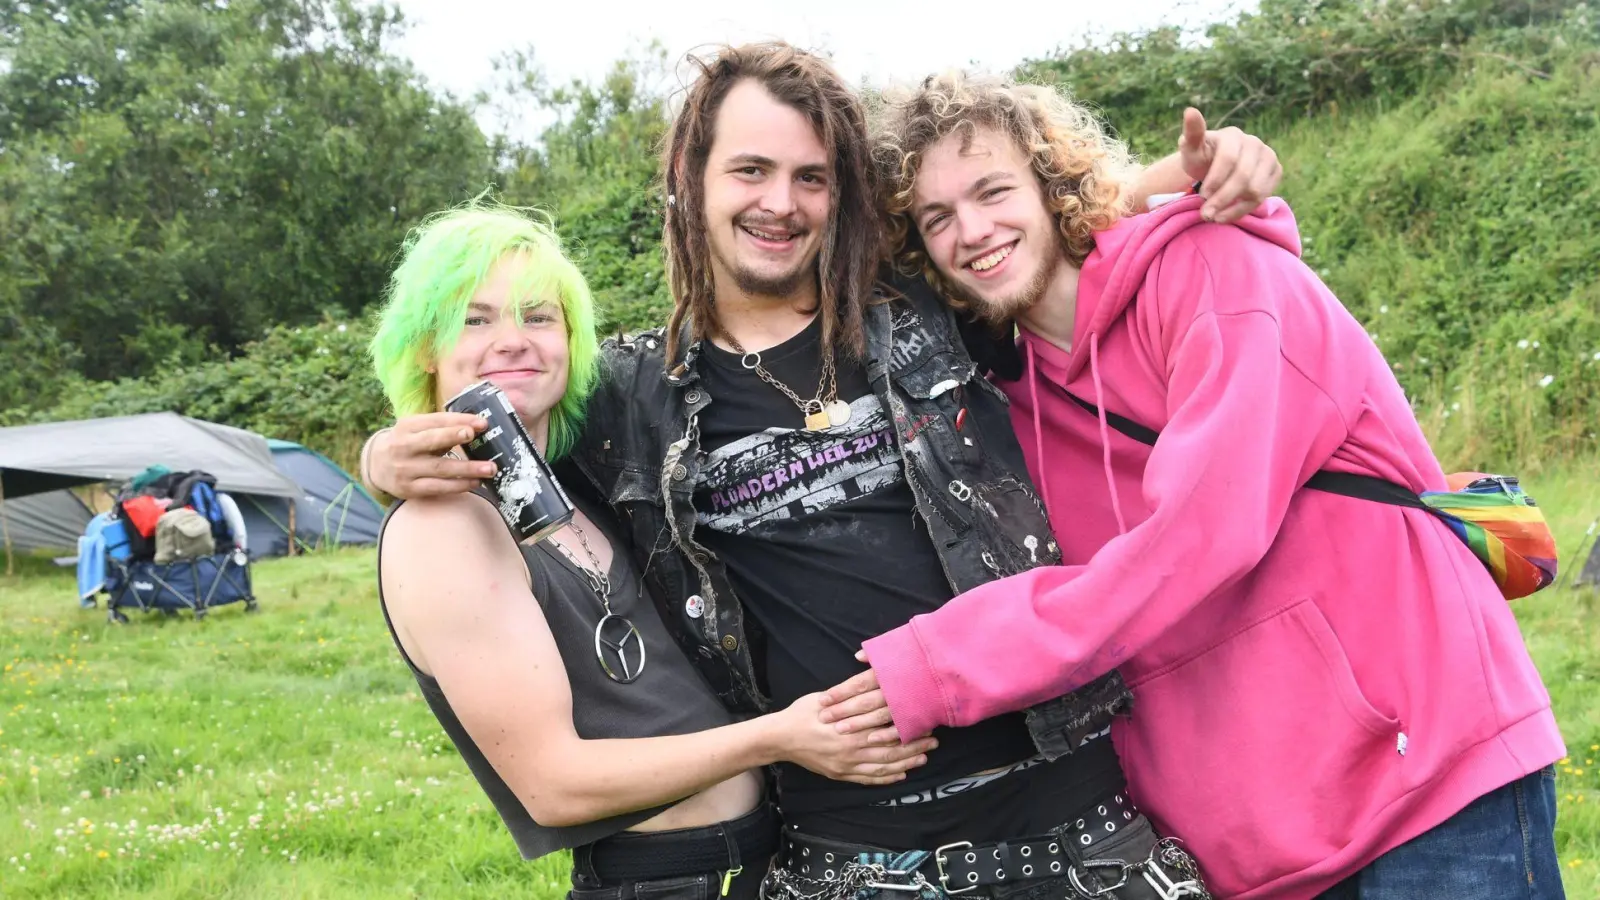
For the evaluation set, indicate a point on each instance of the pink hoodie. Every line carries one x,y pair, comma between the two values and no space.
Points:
1317,679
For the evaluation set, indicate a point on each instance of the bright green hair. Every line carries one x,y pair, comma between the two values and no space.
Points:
443,263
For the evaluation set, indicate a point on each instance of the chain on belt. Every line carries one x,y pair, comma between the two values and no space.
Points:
1095,878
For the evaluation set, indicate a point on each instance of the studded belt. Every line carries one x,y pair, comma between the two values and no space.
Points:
814,868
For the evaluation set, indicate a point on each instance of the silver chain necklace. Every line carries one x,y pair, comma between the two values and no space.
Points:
824,409
615,633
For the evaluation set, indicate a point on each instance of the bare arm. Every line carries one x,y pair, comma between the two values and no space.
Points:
474,625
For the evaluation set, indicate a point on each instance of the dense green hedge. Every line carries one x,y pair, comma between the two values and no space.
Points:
1461,228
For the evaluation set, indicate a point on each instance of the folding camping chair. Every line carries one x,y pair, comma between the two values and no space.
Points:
197,584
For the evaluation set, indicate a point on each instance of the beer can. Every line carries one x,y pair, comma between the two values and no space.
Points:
530,499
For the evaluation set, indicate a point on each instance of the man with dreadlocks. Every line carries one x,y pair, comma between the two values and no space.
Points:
805,458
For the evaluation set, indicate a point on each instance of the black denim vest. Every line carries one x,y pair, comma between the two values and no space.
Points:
641,450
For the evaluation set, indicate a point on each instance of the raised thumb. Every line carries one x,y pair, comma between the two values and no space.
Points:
1194,130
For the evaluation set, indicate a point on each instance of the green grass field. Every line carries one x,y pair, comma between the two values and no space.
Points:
286,754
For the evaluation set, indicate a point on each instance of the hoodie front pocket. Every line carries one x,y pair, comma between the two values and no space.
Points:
1261,750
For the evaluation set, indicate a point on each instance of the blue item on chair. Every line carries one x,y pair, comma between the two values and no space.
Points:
92,559
115,533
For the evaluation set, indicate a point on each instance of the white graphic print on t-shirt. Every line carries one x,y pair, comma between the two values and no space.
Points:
788,473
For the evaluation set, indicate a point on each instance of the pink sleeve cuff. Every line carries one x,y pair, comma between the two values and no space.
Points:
910,687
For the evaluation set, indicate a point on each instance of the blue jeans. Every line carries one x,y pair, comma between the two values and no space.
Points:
1501,847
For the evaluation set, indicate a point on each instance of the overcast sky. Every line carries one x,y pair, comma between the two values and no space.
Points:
453,41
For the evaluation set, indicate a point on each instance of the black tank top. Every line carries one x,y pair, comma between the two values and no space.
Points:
667,698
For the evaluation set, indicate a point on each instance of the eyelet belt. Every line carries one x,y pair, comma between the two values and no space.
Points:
964,866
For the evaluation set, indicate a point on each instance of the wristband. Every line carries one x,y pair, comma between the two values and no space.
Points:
365,472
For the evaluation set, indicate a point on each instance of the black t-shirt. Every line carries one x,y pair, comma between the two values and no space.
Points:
819,534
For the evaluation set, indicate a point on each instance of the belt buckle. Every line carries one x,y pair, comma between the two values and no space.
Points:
1078,885
913,886
944,877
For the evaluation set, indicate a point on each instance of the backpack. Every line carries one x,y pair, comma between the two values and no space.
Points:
139,516
196,489
1500,524
183,534
203,500
141,503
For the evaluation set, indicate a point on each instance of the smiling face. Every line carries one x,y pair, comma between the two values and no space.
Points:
523,352
982,217
766,194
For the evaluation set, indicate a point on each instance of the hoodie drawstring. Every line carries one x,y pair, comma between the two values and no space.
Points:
1105,430
1038,431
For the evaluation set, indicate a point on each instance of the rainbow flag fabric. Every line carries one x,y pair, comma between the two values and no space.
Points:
1504,527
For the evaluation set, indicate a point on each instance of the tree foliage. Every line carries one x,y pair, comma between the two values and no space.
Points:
179,175
595,169
199,201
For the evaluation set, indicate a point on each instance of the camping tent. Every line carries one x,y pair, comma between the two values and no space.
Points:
330,508
50,521
38,461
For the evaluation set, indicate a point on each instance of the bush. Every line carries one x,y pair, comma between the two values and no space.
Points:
1458,226
312,385
1294,58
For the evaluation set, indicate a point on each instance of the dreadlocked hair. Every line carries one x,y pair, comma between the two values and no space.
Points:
852,246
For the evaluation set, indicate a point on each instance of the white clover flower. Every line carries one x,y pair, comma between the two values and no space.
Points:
1546,381
1522,344
1384,308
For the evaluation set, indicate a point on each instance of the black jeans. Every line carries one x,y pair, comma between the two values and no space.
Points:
727,859
706,886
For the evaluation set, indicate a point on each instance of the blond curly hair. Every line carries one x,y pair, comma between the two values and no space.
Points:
1086,175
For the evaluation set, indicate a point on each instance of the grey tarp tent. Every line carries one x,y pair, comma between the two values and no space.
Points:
51,521
331,508
35,459
39,459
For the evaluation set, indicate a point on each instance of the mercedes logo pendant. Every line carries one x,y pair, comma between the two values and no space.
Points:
619,647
